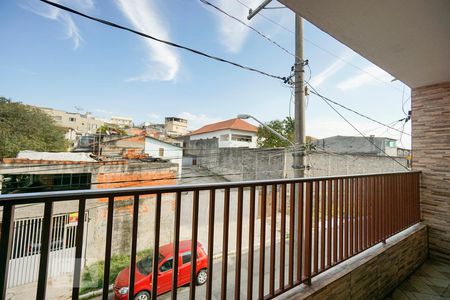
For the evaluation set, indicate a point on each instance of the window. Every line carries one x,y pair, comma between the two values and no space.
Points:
28,183
161,152
224,137
168,265
72,119
391,144
241,138
186,257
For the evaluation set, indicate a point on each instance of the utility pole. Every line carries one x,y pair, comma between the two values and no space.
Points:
298,154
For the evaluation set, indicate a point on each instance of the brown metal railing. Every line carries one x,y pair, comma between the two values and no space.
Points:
322,222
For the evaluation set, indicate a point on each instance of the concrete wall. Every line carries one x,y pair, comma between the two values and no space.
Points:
431,155
238,164
356,145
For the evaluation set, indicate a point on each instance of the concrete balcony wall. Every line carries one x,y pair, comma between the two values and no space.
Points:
431,155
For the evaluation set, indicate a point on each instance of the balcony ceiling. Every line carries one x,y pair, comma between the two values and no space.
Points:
410,39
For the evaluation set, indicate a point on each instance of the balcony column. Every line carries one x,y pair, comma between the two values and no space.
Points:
431,155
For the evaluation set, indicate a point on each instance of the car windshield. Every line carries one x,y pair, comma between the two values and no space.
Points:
144,265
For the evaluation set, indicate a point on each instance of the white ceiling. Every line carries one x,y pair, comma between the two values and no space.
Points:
410,39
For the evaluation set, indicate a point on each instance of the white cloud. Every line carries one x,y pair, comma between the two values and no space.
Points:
371,75
197,121
162,62
154,117
232,34
53,13
327,73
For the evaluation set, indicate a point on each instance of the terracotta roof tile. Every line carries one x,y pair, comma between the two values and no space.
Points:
236,124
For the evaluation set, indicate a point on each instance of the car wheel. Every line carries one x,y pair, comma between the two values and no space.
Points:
202,276
142,296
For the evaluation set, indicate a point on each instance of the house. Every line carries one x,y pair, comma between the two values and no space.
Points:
122,122
76,124
175,126
164,150
230,133
358,145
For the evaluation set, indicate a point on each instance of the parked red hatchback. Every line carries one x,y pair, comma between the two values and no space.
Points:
143,281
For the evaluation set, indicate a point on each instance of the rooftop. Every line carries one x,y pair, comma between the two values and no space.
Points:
236,124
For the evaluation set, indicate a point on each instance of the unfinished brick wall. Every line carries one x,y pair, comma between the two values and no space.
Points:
431,155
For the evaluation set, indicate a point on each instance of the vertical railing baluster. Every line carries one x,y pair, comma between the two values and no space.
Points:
308,233
341,220
134,238
194,232
262,242
359,218
212,208
6,240
226,220
316,227
346,227
283,235
335,221
45,250
351,191
156,235
291,233
176,246
78,249
273,228
369,211
237,280
329,221
251,243
300,236
322,231
108,247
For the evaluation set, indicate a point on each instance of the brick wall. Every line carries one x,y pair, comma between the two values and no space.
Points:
431,155
372,274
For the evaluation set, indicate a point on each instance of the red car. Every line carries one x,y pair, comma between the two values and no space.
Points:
143,277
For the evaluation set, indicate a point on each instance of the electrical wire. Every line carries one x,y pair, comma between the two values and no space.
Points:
250,27
313,91
322,48
198,52
354,127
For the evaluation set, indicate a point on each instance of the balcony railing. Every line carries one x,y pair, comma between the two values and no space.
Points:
321,223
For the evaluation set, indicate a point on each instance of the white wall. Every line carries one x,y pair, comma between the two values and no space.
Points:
172,153
229,143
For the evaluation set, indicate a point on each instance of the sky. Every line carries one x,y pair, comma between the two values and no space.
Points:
53,59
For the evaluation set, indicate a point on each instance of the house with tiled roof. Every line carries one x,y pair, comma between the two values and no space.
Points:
230,133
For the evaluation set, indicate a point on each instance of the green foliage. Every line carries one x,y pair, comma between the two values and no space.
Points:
111,129
23,127
92,276
267,139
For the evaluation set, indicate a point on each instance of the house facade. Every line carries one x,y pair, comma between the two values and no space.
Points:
380,146
164,150
231,133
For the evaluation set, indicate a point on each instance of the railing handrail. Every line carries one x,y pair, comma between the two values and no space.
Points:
22,198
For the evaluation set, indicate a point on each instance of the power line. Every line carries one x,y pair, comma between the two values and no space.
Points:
354,127
313,91
250,27
322,48
198,52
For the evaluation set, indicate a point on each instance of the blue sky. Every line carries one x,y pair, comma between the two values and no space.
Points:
50,58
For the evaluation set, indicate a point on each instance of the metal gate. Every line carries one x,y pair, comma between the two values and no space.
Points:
26,248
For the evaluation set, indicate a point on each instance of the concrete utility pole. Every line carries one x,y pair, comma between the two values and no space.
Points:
298,154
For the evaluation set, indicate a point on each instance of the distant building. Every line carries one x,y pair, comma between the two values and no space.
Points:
175,126
122,122
358,145
76,124
164,150
230,133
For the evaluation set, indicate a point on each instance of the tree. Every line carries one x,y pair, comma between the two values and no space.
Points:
23,127
286,128
267,139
